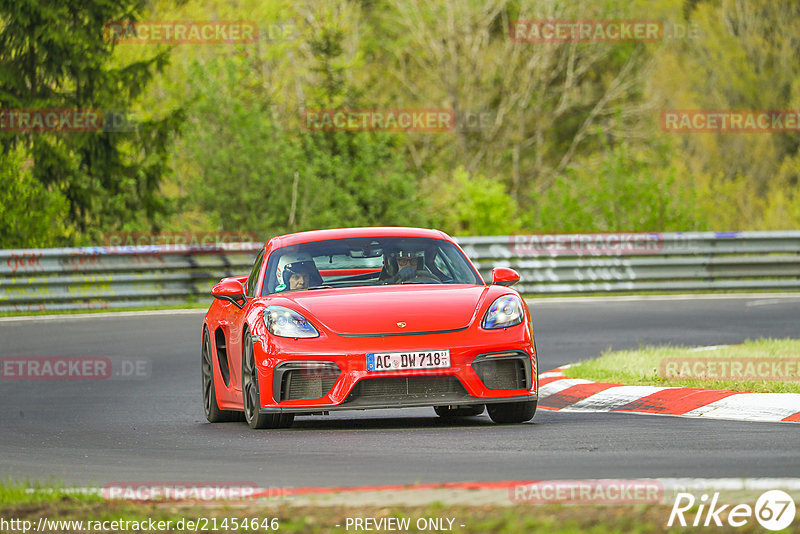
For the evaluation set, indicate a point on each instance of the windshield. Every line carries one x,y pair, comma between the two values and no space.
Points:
367,262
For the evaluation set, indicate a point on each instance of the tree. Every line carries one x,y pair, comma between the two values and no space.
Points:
260,170
545,102
745,58
54,54
30,215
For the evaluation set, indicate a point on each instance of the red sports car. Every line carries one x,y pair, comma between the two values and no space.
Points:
361,318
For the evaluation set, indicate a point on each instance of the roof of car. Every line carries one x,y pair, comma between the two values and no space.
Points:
342,233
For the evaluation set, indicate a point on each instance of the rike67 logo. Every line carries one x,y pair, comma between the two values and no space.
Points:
774,510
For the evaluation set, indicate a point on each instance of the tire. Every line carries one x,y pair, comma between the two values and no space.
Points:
250,394
210,406
461,411
512,412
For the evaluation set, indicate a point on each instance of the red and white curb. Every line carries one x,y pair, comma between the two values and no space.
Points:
557,392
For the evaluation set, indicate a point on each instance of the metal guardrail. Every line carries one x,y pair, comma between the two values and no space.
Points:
114,277
109,277
583,263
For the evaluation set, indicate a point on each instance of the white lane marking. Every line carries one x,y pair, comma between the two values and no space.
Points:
764,298
559,385
638,298
751,407
733,484
612,398
550,374
104,315
708,347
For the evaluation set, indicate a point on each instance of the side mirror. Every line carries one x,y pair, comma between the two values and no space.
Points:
503,276
230,289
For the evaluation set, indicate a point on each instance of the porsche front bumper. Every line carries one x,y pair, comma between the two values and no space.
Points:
307,376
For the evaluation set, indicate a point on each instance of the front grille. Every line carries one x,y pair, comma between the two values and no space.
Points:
411,388
506,373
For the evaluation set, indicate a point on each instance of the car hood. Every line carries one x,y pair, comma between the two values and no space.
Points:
382,310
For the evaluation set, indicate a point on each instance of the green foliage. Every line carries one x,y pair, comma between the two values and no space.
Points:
30,214
744,58
476,205
620,192
54,55
358,179
268,175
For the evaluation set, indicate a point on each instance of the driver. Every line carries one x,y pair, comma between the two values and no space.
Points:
405,264
295,272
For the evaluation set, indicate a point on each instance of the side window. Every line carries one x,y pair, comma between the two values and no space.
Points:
440,264
253,278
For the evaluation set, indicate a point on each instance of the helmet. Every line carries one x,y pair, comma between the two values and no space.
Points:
408,254
405,256
294,264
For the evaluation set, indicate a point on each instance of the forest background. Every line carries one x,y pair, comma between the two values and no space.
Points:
553,137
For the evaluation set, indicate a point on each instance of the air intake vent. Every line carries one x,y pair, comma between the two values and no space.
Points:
416,388
304,380
299,387
222,355
503,372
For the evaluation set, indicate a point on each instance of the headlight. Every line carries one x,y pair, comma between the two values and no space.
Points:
504,312
284,322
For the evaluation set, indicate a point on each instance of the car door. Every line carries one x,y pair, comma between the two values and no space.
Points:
235,317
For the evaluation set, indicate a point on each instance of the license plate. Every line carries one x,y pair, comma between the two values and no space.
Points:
400,361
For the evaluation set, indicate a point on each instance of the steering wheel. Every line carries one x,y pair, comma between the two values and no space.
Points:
422,278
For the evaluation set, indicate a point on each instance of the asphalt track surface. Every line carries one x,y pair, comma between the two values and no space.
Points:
153,429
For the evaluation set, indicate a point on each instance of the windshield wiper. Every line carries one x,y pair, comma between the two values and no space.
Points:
320,287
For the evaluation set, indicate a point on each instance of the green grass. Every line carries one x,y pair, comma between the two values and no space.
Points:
648,366
13,494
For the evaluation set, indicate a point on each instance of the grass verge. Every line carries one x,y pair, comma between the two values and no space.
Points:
550,518
24,494
57,509
762,366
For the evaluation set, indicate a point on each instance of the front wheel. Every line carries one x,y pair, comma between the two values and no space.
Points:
512,412
250,393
